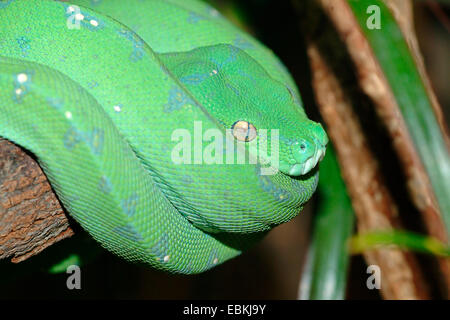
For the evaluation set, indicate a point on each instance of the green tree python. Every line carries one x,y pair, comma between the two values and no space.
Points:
101,92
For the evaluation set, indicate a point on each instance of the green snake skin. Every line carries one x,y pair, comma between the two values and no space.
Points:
96,90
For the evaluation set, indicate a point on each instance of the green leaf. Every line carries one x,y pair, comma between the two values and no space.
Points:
406,240
325,274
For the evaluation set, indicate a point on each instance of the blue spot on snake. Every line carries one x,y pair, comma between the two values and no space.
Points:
129,232
92,23
95,139
129,205
24,45
137,43
93,84
4,4
71,138
177,99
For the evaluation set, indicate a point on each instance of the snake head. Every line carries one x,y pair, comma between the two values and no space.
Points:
261,111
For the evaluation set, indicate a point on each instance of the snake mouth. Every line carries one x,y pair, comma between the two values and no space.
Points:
299,169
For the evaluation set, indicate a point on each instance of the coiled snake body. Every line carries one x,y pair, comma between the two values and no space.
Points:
97,91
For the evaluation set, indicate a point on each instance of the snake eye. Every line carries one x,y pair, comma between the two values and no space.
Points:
243,131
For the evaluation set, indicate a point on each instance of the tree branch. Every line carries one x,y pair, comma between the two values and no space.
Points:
31,217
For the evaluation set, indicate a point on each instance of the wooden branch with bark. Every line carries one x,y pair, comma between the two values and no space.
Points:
31,217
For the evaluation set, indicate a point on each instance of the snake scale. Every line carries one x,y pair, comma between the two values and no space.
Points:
97,89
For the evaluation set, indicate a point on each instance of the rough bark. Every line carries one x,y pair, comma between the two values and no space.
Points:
31,217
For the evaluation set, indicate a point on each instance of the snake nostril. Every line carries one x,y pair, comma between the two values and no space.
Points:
306,153
303,150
